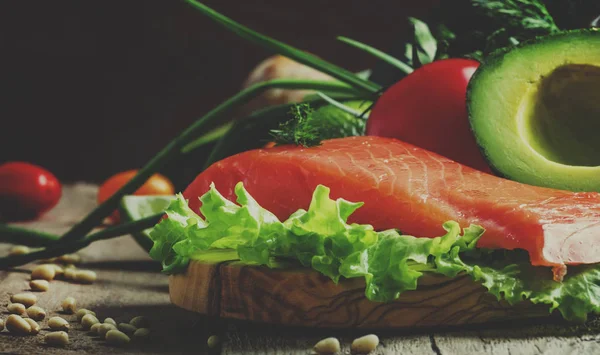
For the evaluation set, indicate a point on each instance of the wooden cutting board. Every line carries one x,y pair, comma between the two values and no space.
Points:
303,297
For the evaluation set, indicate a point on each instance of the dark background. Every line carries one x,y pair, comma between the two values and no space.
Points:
88,89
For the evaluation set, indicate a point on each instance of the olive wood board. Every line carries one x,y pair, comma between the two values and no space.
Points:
303,297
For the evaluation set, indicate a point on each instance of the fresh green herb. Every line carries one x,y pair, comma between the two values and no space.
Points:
308,127
62,247
18,235
287,50
405,68
299,130
390,263
485,26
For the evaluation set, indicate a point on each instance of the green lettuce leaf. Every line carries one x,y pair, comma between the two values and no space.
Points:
390,263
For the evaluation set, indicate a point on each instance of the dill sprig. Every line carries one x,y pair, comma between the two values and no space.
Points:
298,130
520,16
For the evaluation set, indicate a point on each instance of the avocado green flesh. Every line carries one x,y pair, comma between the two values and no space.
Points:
535,111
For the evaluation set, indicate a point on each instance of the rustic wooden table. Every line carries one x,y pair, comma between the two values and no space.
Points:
130,284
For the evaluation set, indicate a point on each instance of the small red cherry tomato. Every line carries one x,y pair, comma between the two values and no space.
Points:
428,108
156,185
26,191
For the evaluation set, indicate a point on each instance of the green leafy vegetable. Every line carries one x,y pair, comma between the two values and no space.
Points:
390,263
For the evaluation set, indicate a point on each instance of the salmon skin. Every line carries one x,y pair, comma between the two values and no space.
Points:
409,188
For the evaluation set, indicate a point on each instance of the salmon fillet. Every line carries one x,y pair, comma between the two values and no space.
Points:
409,188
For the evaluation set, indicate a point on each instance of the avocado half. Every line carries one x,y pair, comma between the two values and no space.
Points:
535,111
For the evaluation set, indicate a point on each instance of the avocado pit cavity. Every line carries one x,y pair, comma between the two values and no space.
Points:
564,115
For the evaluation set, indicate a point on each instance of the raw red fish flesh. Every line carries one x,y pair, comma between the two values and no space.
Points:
409,188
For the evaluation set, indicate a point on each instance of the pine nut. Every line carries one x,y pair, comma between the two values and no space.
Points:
39,285
84,276
59,271
213,341
35,327
141,333
36,313
17,325
44,272
105,328
19,250
57,338
365,345
127,328
27,299
116,337
140,322
69,259
82,312
88,320
110,321
69,305
69,273
327,346
16,308
58,323
1,324
94,328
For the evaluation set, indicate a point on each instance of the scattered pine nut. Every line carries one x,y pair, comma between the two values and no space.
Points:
127,328
16,308
43,272
213,341
35,327
1,324
88,320
84,276
140,322
82,312
69,259
57,338
36,313
59,271
17,325
365,344
94,328
19,250
69,305
69,273
116,337
327,346
105,328
141,333
39,285
27,299
110,321
58,323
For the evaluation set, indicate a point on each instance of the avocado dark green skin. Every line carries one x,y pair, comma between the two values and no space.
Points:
493,61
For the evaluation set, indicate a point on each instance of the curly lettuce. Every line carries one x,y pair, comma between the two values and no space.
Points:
390,263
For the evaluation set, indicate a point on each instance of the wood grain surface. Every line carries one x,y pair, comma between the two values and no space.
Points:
302,297
129,284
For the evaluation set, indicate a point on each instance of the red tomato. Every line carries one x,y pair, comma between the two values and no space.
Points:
156,185
26,191
428,109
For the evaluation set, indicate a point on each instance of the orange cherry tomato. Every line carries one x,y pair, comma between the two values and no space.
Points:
156,185
269,145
